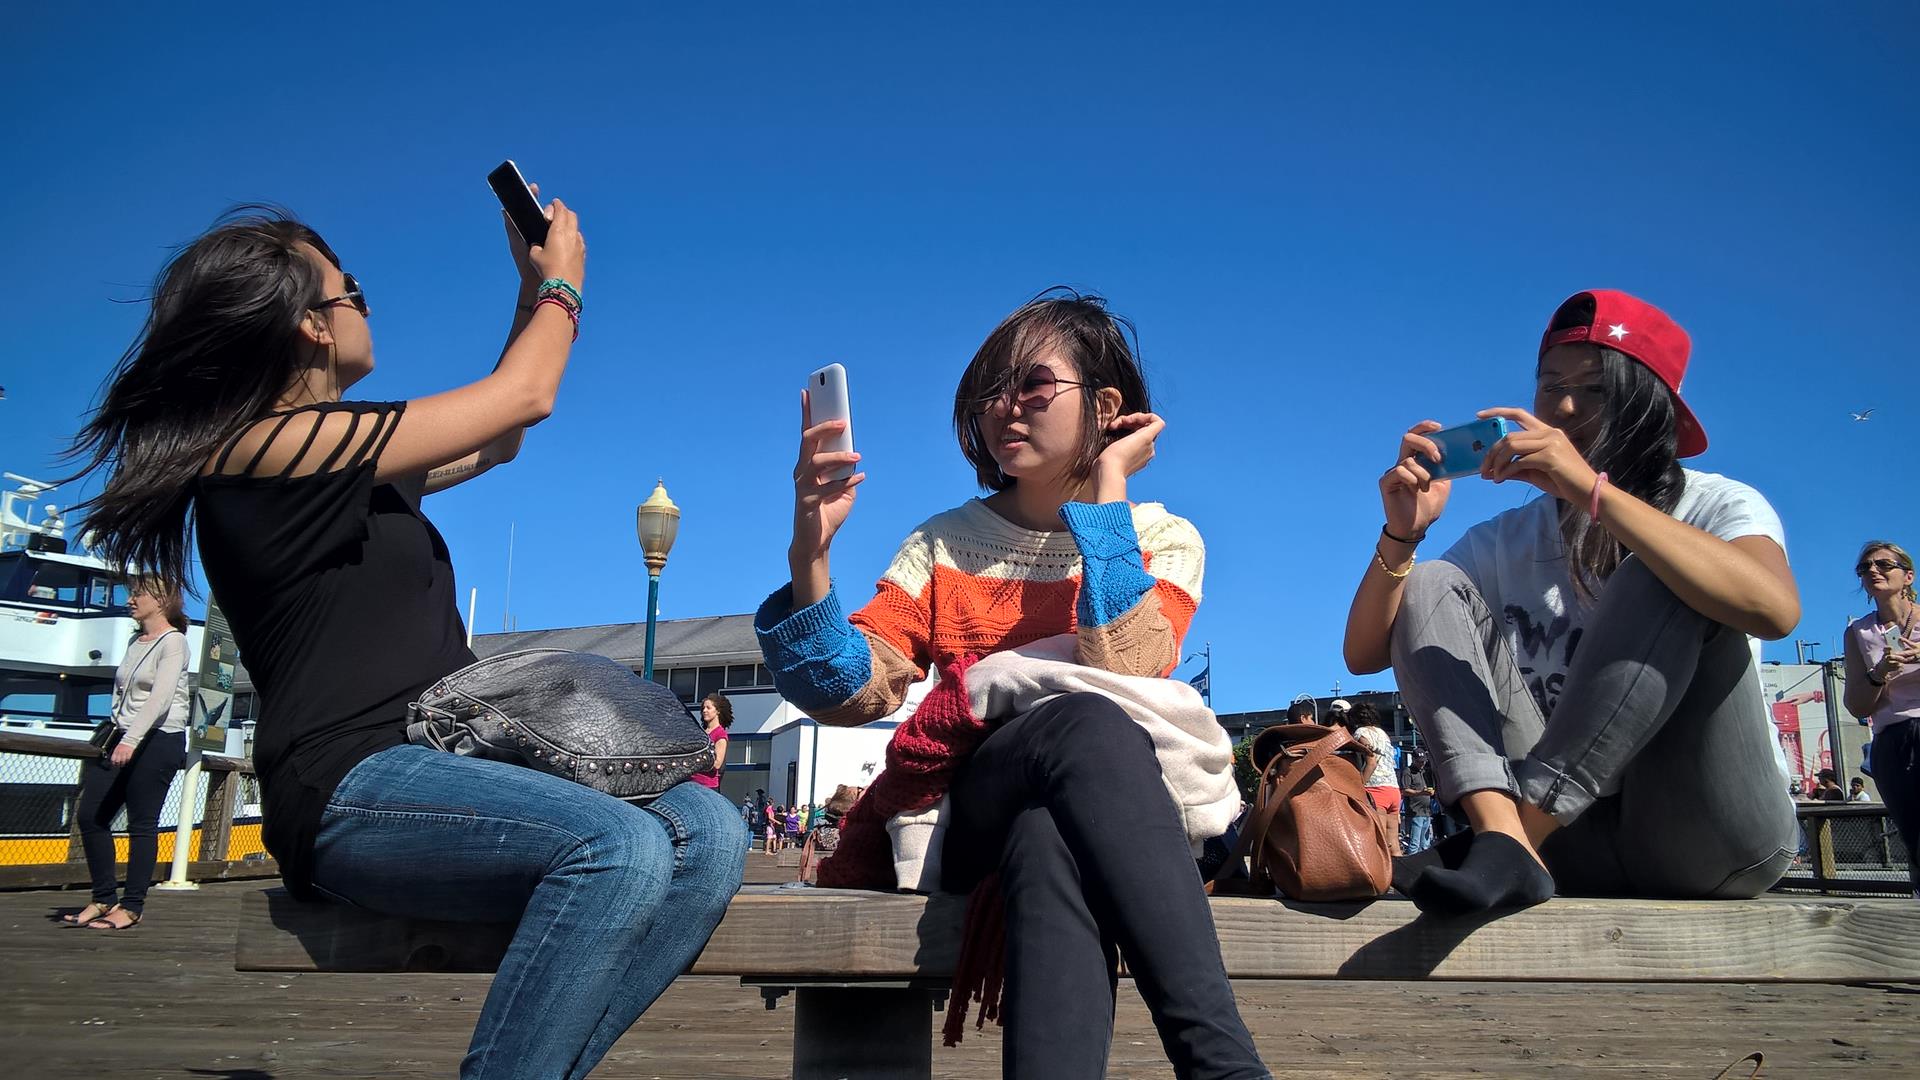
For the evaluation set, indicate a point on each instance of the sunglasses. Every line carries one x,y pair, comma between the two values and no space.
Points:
353,296
1035,392
1885,566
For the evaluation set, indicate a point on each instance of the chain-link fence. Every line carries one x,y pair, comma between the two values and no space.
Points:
1851,848
40,779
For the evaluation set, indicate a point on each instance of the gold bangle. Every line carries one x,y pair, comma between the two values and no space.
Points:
1388,570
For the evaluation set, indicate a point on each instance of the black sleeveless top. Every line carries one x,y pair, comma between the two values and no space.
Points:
341,598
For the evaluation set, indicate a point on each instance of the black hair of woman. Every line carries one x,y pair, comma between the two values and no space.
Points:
220,346
1104,346
1635,441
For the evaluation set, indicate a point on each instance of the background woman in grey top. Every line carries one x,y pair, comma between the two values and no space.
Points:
150,702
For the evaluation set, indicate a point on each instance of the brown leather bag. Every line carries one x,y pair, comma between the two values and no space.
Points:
1313,833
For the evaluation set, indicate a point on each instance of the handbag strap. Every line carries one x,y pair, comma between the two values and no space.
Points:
1272,798
120,691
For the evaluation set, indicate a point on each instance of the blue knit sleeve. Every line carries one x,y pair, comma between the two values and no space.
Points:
817,658
1114,574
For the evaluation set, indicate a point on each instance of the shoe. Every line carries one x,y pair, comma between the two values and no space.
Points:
85,915
106,923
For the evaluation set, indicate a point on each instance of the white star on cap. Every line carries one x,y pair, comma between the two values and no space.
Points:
1618,331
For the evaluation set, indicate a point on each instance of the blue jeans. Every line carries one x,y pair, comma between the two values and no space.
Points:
1419,833
613,901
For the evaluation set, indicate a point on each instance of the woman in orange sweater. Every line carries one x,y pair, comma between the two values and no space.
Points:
1065,801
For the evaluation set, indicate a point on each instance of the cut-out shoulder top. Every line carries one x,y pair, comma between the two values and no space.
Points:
341,597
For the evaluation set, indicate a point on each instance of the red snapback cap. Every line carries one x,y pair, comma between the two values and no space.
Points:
1630,325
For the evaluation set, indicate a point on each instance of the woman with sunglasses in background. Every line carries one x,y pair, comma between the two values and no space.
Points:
1066,801
226,417
1576,665
1883,683
150,706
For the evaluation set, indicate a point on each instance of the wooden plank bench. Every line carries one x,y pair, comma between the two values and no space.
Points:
868,969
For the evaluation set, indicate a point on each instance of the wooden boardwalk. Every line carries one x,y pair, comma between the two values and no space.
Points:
164,1001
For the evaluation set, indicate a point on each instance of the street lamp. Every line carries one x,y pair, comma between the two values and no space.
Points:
657,521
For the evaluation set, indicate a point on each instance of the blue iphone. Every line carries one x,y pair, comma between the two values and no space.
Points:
1464,448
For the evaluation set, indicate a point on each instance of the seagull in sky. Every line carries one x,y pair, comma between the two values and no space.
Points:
1863,417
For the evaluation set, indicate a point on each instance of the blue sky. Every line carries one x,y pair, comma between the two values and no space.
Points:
1326,225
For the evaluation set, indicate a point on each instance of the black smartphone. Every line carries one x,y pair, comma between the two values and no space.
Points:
522,208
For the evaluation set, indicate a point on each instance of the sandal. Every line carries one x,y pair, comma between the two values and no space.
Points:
105,922
75,918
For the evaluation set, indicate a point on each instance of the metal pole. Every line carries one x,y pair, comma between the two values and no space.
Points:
1208,696
653,609
813,774
183,830
473,599
1829,682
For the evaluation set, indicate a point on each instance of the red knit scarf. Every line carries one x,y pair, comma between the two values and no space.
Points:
925,750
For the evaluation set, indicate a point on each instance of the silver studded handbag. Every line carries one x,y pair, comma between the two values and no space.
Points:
575,715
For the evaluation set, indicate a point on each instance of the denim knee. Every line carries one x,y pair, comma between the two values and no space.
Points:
623,851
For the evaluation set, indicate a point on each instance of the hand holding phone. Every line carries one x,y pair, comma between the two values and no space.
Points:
827,400
1463,449
518,200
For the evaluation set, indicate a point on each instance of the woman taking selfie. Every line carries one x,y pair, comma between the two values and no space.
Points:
150,706
1065,801
226,416
1573,664
1883,684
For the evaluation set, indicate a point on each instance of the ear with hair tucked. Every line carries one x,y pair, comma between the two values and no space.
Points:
316,328
1108,402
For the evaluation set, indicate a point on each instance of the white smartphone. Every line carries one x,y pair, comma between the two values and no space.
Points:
827,400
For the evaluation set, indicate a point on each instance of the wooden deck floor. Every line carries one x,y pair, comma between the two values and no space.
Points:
164,1002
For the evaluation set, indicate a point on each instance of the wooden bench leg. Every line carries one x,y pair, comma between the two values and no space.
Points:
843,1033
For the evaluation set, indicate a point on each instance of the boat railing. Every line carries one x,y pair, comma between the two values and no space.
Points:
40,775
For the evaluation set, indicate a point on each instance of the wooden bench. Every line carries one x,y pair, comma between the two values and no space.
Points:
869,970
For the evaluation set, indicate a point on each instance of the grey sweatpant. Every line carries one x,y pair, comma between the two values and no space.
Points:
1656,762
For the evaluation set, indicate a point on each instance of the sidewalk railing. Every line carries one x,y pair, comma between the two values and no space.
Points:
1849,848
40,830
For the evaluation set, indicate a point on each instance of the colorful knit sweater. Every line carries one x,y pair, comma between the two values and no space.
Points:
1124,579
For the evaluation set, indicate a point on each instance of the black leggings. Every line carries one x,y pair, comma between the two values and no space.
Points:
1896,772
140,786
1066,801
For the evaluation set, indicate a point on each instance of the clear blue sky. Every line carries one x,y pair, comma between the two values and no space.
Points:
1327,226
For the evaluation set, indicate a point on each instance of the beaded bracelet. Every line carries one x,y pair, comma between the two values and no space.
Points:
1382,560
563,299
572,315
554,284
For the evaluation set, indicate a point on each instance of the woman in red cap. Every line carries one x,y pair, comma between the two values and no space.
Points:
1582,666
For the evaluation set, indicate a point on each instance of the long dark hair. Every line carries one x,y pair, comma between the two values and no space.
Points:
722,708
221,345
1079,325
1637,445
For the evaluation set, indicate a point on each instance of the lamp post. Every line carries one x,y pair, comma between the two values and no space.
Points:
657,521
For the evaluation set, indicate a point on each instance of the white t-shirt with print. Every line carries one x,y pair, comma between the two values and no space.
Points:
1518,563
1376,740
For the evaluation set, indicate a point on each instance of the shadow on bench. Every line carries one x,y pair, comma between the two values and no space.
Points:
868,968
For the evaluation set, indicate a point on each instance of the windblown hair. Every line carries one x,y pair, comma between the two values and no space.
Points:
220,346
172,603
1636,443
721,708
1899,555
1095,339
1363,715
